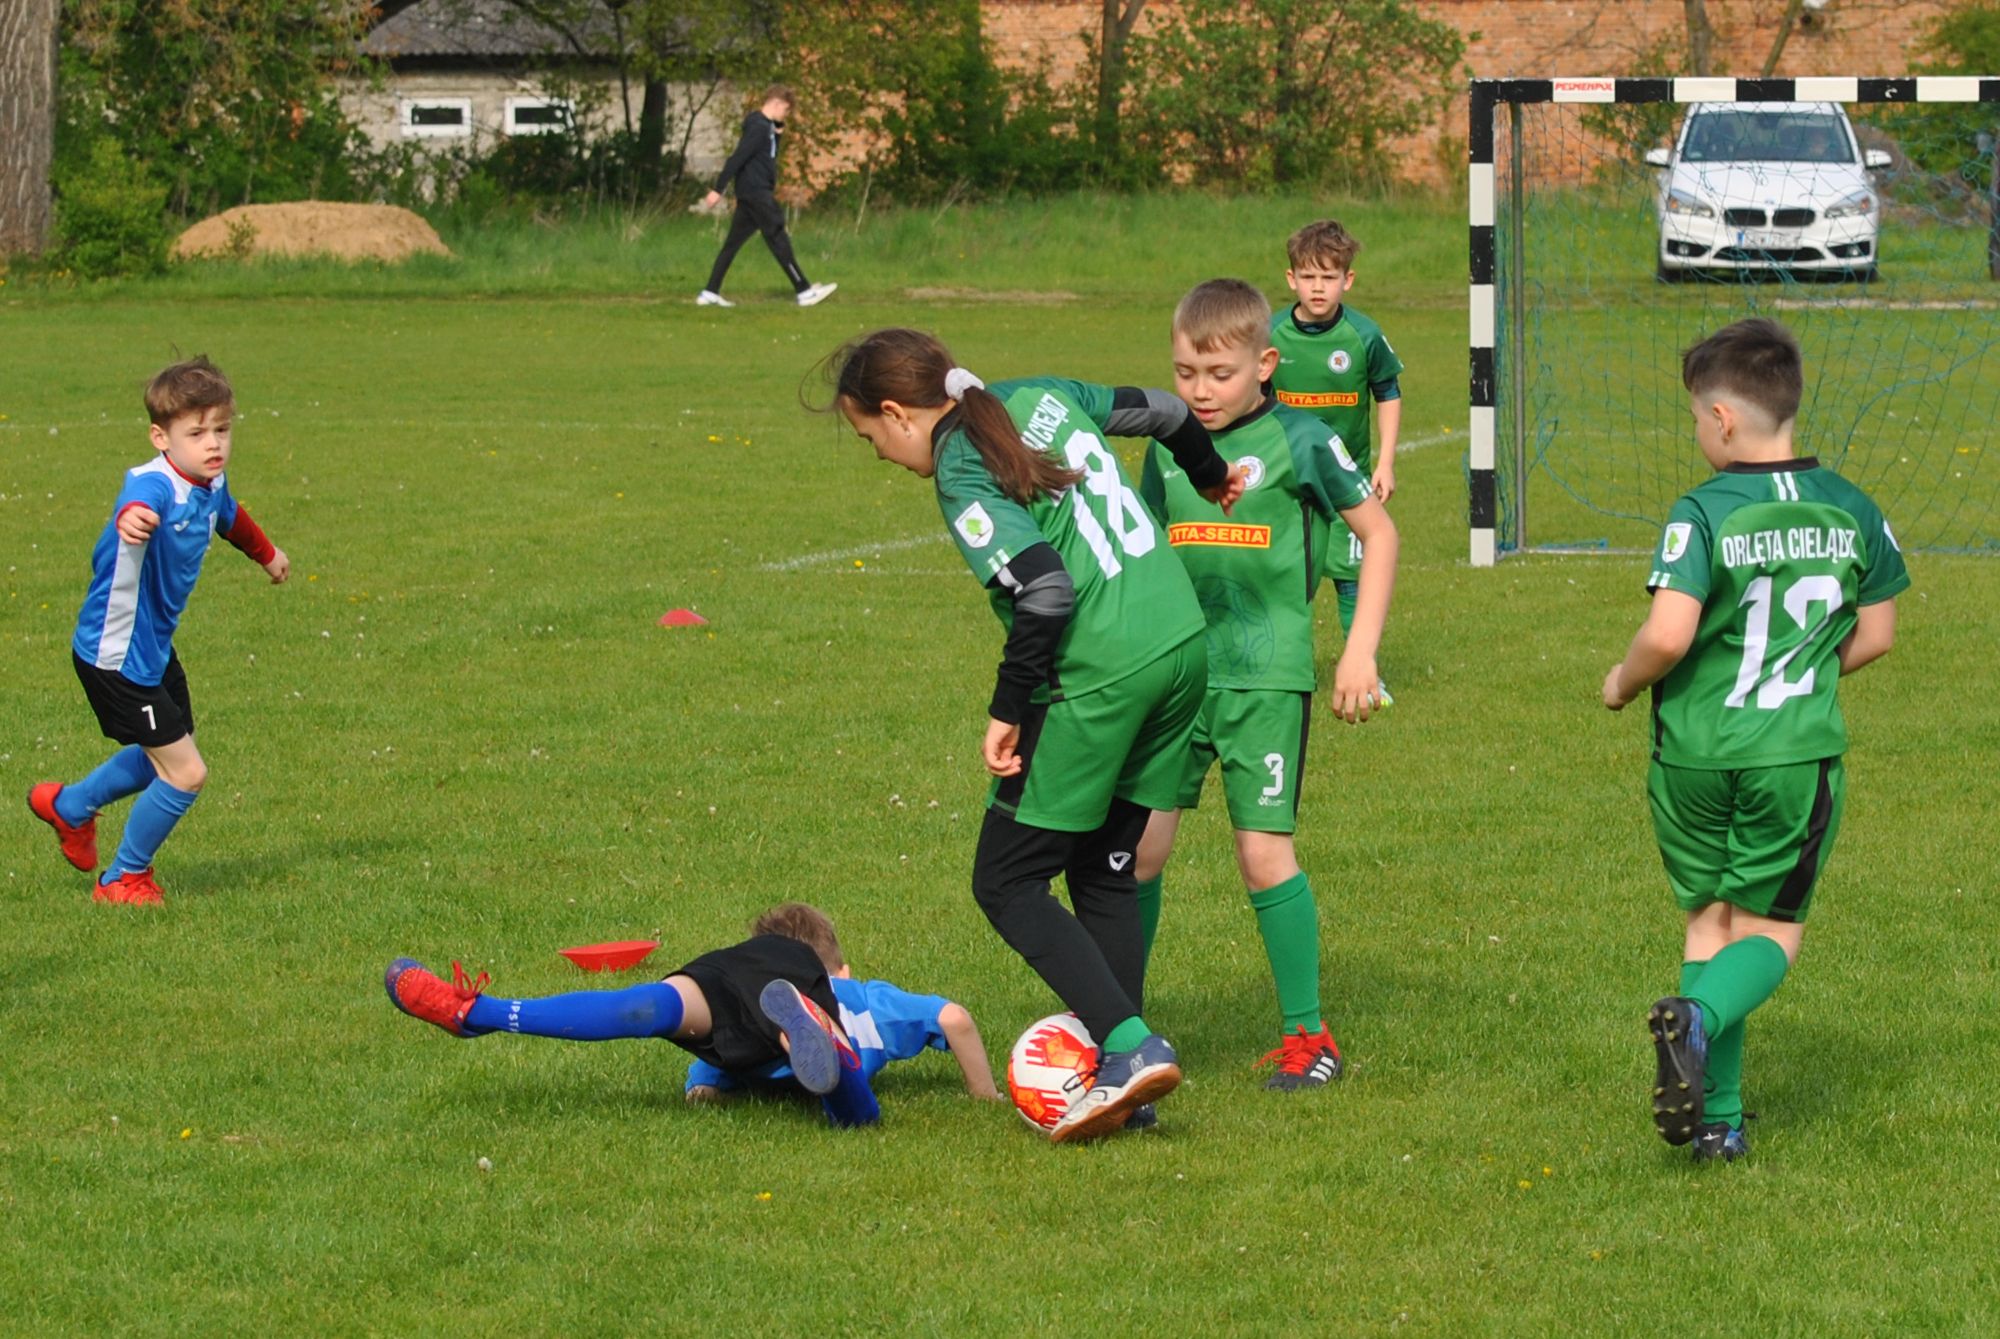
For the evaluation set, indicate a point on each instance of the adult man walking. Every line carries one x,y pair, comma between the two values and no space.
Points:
754,169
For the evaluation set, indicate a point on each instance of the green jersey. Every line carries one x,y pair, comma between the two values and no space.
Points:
1780,555
1133,601
1255,571
1329,370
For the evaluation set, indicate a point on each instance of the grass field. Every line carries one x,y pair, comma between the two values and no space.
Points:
459,733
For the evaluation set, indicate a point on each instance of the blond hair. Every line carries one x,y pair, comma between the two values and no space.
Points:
1224,313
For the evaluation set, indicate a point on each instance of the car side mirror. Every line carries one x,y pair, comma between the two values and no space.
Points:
1665,158
1873,158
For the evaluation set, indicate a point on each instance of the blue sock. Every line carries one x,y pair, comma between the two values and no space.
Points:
586,1015
126,772
851,1102
154,814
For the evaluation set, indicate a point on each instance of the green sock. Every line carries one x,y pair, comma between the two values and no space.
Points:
1126,1035
1345,593
1288,919
1737,980
1722,1082
1722,1086
1149,911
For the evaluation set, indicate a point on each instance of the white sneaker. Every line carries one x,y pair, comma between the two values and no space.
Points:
816,294
708,299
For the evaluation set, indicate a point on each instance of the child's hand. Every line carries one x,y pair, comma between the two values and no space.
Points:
1385,482
1225,494
1354,684
136,524
1614,691
998,748
279,567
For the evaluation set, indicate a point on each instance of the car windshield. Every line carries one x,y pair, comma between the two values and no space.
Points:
1767,137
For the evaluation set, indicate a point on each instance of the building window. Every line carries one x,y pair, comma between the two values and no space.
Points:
537,116
435,118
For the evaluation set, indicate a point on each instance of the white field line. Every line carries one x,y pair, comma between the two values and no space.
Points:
805,560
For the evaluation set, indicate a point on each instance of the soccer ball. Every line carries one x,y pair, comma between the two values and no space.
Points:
1050,1067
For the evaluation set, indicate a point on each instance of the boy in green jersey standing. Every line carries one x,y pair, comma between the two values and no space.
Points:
1772,581
1333,362
1255,572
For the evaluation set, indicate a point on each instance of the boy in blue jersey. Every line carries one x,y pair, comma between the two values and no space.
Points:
142,572
761,1012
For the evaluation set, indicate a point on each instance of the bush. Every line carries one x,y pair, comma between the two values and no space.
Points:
109,219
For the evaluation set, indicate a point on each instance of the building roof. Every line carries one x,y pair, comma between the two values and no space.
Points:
474,29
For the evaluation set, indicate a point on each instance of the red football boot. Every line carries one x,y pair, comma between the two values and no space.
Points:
79,843
134,888
1306,1060
422,993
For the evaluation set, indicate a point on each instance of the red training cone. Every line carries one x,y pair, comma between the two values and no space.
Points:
682,618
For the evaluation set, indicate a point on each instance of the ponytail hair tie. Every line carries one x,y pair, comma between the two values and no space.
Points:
958,381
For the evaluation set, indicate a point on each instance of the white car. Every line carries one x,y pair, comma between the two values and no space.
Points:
1767,186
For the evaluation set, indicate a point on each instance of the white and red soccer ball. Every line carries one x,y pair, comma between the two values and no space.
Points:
1050,1067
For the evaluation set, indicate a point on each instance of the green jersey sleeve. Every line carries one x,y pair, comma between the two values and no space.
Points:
1383,364
1682,560
989,527
1885,575
1328,474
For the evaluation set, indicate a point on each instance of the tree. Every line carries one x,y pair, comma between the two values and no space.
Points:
1280,92
27,122
1701,38
1113,45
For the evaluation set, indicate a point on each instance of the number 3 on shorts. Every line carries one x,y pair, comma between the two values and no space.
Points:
1276,762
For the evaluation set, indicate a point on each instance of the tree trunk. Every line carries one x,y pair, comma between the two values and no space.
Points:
27,122
652,133
1785,27
1701,38
1118,25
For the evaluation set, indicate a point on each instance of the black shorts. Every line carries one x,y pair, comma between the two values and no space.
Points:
732,978
150,716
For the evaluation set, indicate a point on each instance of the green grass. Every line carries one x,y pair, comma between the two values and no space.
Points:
458,733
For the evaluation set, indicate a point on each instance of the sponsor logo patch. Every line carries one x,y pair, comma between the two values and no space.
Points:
974,526
1219,534
1675,542
1319,399
1340,454
1253,471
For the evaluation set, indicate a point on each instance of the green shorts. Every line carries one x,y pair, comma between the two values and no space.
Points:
1343,553
1259,736
1127,740
1755,838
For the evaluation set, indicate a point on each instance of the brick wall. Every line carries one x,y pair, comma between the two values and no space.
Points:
1547,37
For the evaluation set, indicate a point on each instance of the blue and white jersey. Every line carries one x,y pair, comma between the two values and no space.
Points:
883,1022
137,591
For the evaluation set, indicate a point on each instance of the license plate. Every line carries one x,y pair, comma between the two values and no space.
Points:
1768,241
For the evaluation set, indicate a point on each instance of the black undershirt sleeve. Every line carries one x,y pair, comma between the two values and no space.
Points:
1138,412
1044,599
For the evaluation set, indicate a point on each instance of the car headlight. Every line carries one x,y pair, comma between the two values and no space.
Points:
1852,206
1680,202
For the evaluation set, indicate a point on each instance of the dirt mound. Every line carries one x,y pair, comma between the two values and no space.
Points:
312,228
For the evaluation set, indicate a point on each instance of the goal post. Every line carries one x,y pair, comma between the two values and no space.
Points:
1615,221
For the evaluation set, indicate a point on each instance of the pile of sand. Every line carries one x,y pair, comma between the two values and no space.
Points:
312,228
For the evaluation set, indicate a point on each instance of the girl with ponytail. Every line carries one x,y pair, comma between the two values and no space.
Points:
1105,664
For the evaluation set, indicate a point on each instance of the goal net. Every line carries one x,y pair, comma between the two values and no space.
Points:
1617,221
